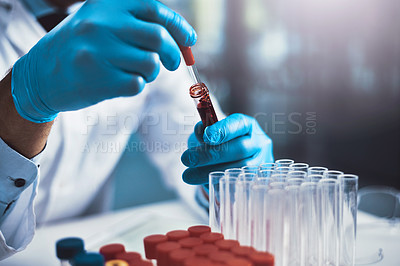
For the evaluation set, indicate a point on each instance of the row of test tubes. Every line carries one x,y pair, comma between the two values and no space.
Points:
303,215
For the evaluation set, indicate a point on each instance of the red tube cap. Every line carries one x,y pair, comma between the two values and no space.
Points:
239,262
262,259
177,235
198,230
187,55
205,249
226,244
190,242
163,250
220,256
129,257
197,261
211,237
178,256
143,263
110,251
243,251
150,243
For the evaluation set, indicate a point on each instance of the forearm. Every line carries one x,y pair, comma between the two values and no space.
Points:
23,136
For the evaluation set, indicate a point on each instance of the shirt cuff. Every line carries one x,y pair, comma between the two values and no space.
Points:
16,174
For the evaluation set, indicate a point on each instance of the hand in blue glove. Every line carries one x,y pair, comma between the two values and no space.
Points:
107,49
236,141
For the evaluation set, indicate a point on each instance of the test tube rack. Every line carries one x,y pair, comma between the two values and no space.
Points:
303,215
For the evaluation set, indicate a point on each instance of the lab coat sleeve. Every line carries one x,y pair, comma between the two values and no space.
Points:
18,183
167,123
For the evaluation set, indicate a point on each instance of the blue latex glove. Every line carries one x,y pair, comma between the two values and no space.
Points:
107,49
236,141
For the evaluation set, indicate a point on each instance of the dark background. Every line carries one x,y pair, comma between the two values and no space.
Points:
322,77
288,60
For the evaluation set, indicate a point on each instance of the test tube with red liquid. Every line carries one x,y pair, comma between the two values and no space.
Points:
199,91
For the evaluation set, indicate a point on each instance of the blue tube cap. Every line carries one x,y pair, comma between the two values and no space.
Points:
67,248
88,259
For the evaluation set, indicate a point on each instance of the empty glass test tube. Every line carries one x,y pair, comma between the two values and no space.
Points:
349,187
258,214
316,170
291,234
267,166
243,207
275,205
250,169
328,190
228,206
283,162
214,200
299,167
308,224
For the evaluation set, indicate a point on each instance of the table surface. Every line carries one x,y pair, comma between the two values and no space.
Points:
130,226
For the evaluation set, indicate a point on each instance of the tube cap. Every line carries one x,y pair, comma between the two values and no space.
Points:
187,55
205,249
129,257
190,242
221,256
67,248
262,259
163,250
211,237
150,243
88,259
239,262
144,263
196,261
177,235
110,251
178,256
226,244
198,230
243,251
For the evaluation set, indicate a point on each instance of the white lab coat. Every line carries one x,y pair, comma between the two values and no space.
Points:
84,146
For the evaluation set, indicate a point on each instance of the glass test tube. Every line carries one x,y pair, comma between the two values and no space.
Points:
316,170
314,178
233,172
332,174
309,214
291,234
265,173
299,167
328,190
294,181
250,169
349,187
283,170
278,177
228,201
283,162
199,91
259,221
267,166
275,205
214,200
297,174
243,208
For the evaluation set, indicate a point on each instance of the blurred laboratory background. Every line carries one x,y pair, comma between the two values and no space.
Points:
321,77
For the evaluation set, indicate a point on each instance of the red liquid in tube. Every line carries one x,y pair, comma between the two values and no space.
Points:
199,92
